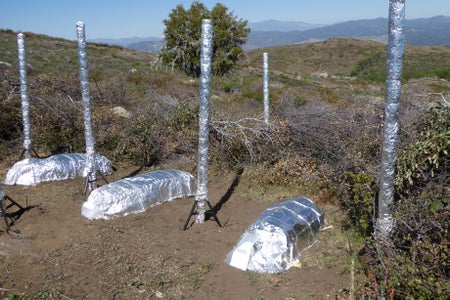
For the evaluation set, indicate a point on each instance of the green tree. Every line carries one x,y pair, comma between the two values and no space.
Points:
183,38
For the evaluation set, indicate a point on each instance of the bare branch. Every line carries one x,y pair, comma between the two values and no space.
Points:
246,137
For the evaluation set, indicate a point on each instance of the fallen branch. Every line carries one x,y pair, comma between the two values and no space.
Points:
250,135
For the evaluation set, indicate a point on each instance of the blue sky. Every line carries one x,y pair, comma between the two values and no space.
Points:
143,18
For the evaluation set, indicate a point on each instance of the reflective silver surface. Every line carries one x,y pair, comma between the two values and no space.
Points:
32,171
396,42
203,135
135,194
24,95
86,98
274,242
266,87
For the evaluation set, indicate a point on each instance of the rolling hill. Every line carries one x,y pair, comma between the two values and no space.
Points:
353,57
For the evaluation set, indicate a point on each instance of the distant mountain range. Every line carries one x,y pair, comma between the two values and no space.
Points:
125,42
275,25
434,31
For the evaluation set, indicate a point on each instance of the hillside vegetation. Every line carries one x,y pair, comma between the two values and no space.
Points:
327,106
349,57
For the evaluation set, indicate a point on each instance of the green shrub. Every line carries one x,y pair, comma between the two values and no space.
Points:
416,265
10,120
429,156
231,87
183,31
367,64
139,143
443,73
300,101
327,94
421,254
184,116
422,213
137,77
59,133
360,202
256,95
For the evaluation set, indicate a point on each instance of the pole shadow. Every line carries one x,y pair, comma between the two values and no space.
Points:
134,173
212,212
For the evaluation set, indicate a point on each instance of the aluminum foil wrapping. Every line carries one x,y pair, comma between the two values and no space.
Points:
274,242
86,98
391,120
135,194
266,87
31,171
203,139
24,95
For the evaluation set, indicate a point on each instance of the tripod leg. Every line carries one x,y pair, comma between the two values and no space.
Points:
190,215
13,203
34,152
103,177
214,214
86,184
3,212
22,154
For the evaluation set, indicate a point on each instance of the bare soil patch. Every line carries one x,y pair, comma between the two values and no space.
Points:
58,254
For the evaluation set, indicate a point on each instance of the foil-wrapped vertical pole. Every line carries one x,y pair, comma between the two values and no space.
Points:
201,196
266,87
90,169
385,222
24,95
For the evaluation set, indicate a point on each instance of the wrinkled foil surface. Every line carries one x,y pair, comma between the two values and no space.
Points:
135,194
396,41
31,171
86,98
266,87
203,135
24,95
274,242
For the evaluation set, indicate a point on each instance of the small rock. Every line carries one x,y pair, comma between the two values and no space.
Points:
121,112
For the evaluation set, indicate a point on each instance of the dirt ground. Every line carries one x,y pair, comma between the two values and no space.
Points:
59,254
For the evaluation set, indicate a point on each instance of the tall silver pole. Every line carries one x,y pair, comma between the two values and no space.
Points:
385,222
203,139
24,95
266,87
90,169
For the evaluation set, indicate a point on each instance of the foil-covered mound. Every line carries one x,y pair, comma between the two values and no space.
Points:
32,171
135,194
274,242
